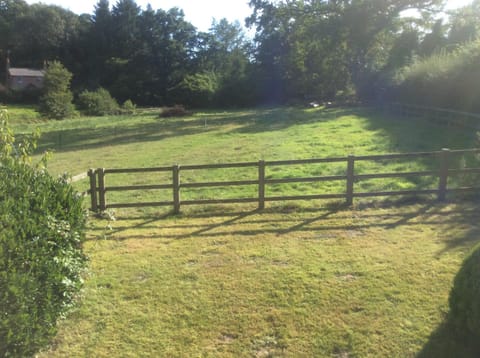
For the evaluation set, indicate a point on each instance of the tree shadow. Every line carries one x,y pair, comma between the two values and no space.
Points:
447,342
427,136
89,138
259,120
277,119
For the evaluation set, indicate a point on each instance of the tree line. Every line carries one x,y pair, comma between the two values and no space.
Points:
302,50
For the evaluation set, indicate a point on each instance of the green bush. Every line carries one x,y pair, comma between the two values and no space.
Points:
445,80
197,90
57,105
128,107
56,101
97,103
465,299
42,228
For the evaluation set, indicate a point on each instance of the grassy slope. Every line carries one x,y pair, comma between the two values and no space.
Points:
299,280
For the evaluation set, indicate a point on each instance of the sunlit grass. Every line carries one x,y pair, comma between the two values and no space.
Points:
300,279
288,282
23,115
146,140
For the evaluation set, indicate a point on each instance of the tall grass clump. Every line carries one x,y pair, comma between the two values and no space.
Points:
42,226
445,80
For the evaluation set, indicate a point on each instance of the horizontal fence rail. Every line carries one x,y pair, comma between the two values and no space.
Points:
98,188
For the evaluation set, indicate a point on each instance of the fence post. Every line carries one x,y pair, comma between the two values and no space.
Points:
176,188
93,189
261,185
443,174
350,178
101,189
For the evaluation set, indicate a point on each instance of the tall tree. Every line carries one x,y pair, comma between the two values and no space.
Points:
125,28
98,43
165,56
224,57
10,12
310,39
465,23
45,32
435,40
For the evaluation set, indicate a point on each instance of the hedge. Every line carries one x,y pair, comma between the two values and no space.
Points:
42,227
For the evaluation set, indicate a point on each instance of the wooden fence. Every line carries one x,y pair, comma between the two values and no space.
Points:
443,116
99,189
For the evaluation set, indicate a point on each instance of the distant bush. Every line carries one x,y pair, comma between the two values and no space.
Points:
128,107
197,90
56,102
445,80
465,299
97,103
41,260
175,111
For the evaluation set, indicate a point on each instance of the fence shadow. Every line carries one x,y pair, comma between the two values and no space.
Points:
458,220
220,221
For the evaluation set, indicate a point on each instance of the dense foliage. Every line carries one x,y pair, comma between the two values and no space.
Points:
98,103
42,227
445,79
465,299
301,51
56,102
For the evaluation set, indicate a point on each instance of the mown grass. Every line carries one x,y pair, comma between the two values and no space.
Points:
146,140
287,282
307,279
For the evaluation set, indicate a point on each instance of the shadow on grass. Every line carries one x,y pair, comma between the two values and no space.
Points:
458,223
90,138
282,118
446,342
427,136
324,221
125,132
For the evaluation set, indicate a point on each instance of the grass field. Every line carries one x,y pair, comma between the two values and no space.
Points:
271,134
371,282
299,280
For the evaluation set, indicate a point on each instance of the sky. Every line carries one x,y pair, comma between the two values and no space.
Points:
198,12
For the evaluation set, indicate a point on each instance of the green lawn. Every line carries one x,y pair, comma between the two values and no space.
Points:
146,140
300,279
287,282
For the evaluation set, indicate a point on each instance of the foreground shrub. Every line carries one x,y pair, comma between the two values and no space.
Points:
97,103
42,228
465,299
